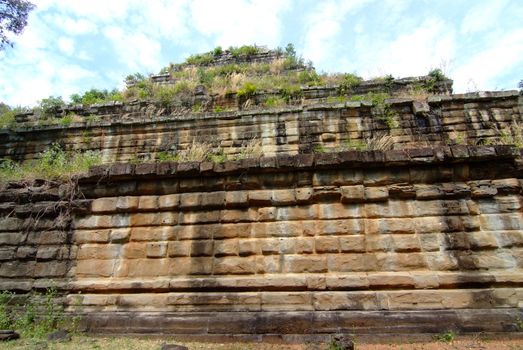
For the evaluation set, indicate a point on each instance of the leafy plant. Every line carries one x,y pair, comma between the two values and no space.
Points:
349,83
245,50
7,115
217,51
97,96
52,105
200,59
274,101
291,92
446,337
247,91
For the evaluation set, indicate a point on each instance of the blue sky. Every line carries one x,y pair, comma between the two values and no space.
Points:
70,46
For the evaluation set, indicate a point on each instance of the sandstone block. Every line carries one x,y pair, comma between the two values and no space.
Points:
277,229
134,250
126,203
170,201
190,200
406,243
12,238
240,230
91,236
236,199
148,203
147,267
249,247
94,268
179,248
267,214
352,194
50,269
352,244
260,198
292,301
301,264
47,237
7,253
304,195
156,250
226,247
327,244
270,246
287,245
213,199
104,205
345,301
155,219
429,242
239,215
338,211
304,245
283,197
120,235
235,265
389,226
98,251
200,217
378,242
26,252
376,194
268,264
153,233
354,280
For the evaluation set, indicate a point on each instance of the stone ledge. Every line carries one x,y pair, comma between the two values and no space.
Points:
248,324
281,163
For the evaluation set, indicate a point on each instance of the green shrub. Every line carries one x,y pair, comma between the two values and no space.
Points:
446,337
217,51
245,50
247,91
309,77
200,59
7,115
52,105
274,101
349,83
133,79
164,95
291,92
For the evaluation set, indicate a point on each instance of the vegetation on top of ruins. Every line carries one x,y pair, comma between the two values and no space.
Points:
282,77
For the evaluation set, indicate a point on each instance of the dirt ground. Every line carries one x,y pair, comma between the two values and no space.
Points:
124,343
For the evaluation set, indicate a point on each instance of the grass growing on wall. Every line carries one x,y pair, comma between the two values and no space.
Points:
54,163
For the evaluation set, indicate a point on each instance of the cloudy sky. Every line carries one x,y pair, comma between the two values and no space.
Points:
73,45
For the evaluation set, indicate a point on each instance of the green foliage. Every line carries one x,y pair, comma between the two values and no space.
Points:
435,75
5,318
54,163
200,59
349,83
39,315
446,337
13,19
133,79
67,120
356,145
290,50
245,50
166,156
274,101
319,149
218,109
247,91
309,77
52,105
164,94
382,109
291,92
7,115
217,51
97,96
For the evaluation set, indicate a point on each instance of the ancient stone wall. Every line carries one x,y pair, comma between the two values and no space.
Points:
418,240
137,132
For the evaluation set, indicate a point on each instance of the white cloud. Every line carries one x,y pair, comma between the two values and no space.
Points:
483,16
481,70
323,27
66,45
78,26
414,53
239,22
134,49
